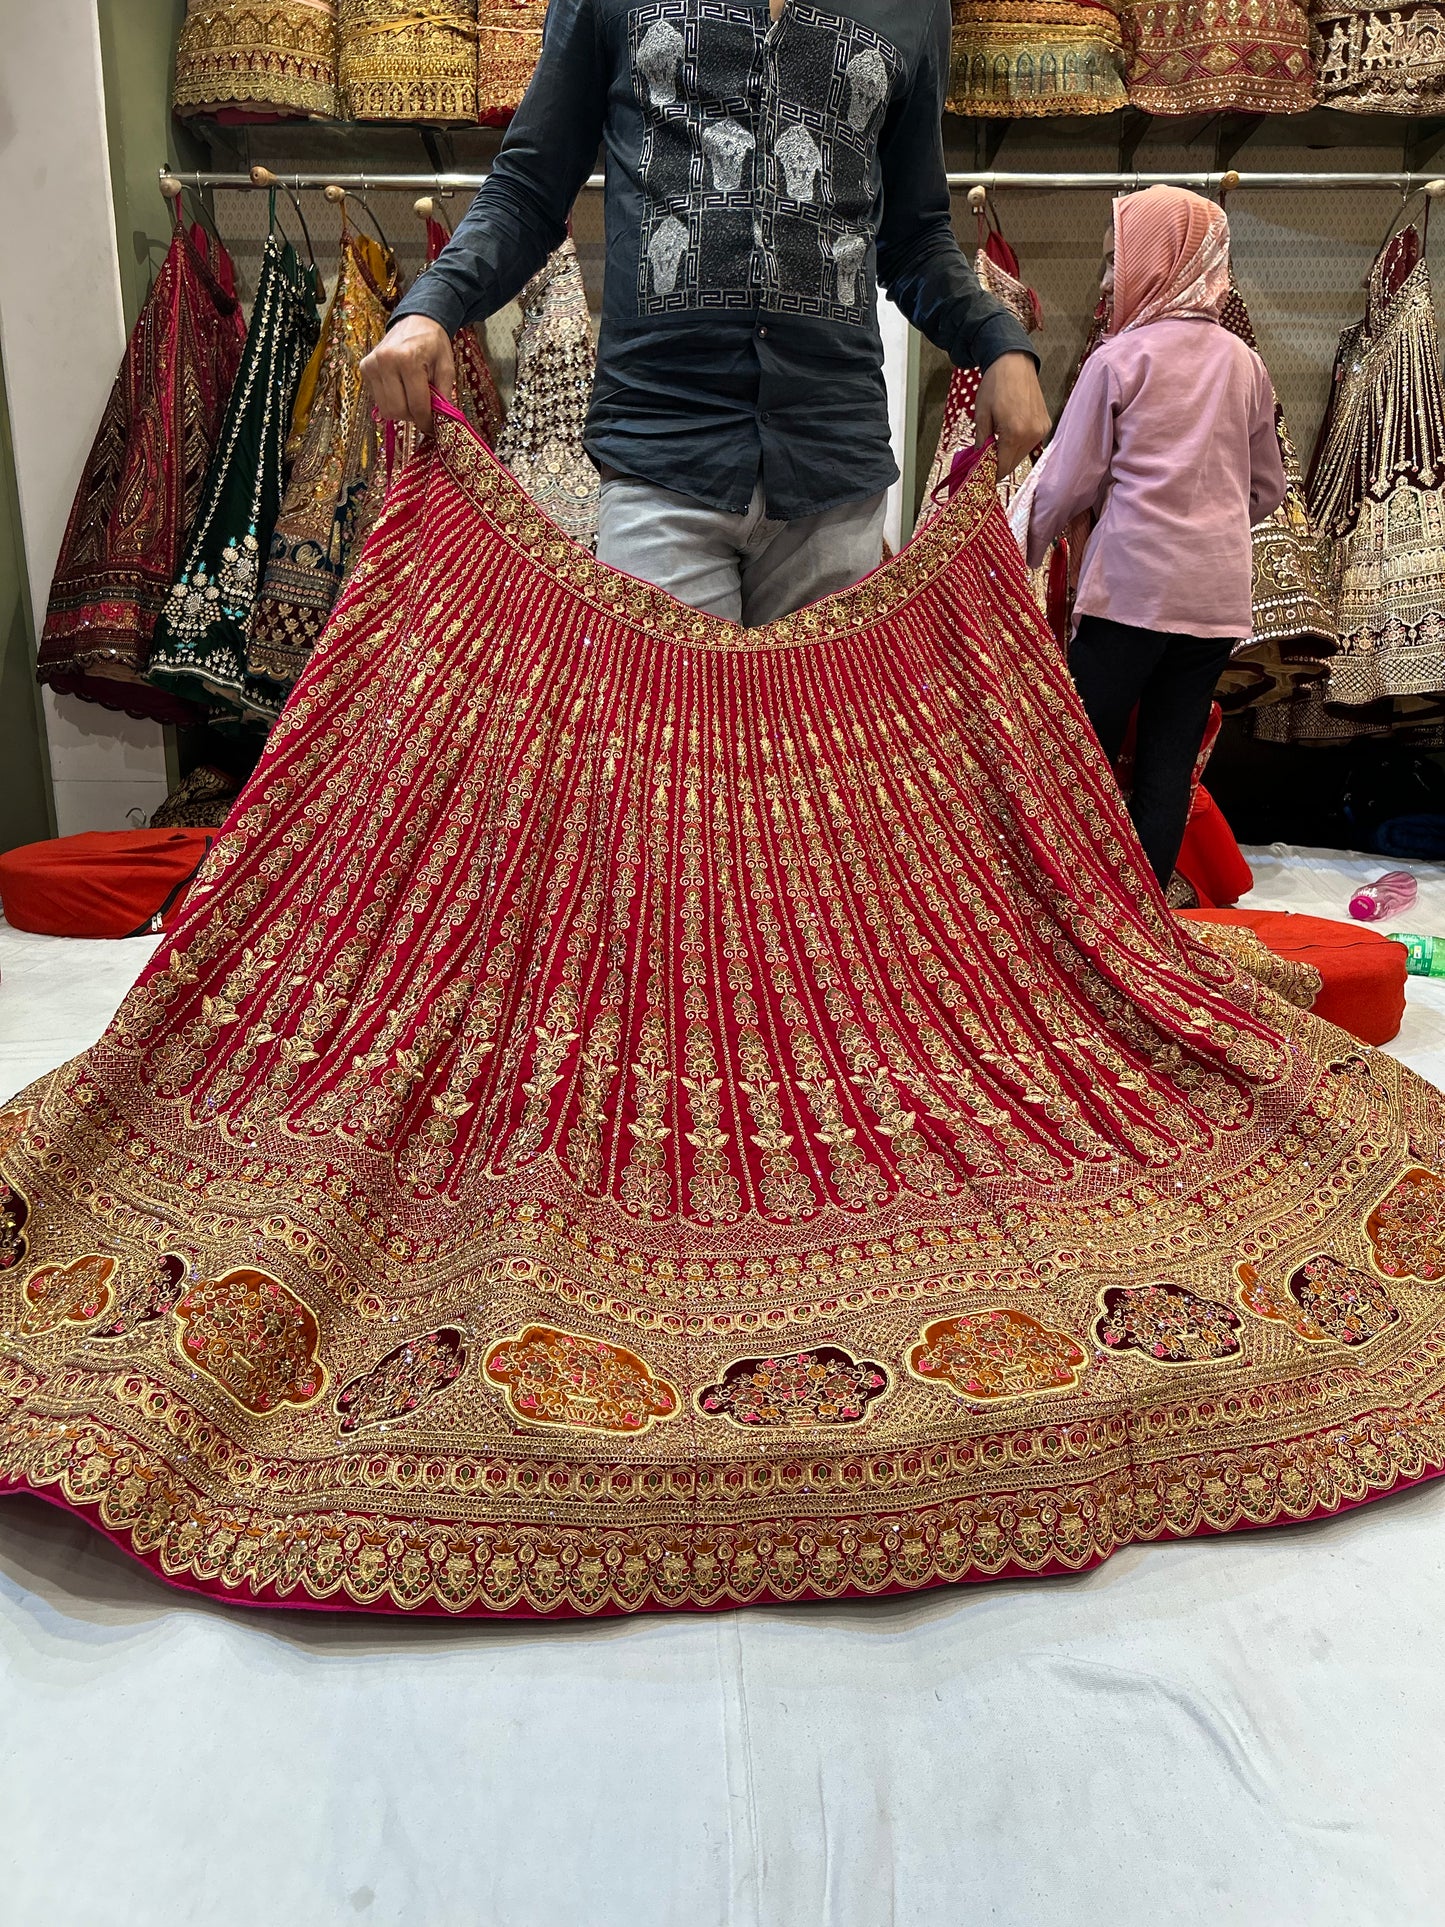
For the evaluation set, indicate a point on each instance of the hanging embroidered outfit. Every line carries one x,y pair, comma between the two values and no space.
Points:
509,40
200,645
556,360
1378,59
1036,57
141,483
1214,56
1294,622
643,1113
997,268
1377,492
477,395
334,491
257,59
409,62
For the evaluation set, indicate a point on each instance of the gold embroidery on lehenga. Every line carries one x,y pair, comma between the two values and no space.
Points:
408,62
826,1386
75,1294
997,1354
563,1379
405,1380
1167,1324
843,915
253,1338
1325,1300
1406,1229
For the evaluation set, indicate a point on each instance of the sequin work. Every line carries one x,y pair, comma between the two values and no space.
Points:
645,1113
556,361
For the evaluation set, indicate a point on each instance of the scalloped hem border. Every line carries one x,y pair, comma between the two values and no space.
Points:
268,1599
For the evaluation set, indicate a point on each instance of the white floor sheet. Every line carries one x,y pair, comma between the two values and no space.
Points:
1243,1730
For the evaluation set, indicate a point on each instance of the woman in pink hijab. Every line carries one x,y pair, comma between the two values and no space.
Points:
1168,439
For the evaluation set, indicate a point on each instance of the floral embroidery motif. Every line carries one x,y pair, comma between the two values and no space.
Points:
997,1354
74,1294
254,1338
579,1384
1168,1324
152,1298
1324,1300
13,1213
13,1126
403,1381
825,1386
1407,1229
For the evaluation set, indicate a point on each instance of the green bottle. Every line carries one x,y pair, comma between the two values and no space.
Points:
1426,955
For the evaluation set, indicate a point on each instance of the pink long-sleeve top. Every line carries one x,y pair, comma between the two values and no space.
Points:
1169,439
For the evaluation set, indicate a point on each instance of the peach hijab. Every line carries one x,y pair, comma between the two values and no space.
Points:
1171,257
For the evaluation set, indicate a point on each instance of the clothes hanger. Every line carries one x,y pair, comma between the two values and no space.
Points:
263,177
172,188
339,196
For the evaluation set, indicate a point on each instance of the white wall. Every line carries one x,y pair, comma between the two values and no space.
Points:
62,332
895,331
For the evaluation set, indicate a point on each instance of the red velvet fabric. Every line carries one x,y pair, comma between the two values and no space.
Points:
1210,859
103,883
1364,973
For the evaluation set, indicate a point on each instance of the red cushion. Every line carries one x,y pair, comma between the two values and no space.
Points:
105,883
1364,973
1210,859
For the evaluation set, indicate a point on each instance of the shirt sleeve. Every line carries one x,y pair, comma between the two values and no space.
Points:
920,263
520,215
1079,459
1267,485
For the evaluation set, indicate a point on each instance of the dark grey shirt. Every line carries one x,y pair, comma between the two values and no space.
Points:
762,181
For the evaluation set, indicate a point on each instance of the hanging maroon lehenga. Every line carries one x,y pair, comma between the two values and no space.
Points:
477,395
645,1113
142,482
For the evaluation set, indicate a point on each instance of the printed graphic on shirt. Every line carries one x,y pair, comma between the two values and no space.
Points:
759,162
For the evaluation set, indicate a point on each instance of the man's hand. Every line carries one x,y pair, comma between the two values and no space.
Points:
1011,406
409,361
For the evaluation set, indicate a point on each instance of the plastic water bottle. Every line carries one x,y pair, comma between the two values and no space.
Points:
1387,896
1425,955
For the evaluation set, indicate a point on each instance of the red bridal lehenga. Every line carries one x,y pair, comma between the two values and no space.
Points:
642,1113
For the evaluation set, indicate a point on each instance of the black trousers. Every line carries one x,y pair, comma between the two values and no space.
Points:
1172,679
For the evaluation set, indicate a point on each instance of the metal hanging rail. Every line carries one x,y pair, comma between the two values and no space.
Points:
1229,180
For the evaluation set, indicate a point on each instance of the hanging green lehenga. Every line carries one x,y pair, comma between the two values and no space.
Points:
200,645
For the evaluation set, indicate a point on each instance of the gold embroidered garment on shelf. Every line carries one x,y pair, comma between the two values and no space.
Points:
1379,59
1218,56
639,1112
1036,57
257,56
401,61
509,40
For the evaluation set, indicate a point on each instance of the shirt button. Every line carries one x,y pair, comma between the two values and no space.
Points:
765,416
762,334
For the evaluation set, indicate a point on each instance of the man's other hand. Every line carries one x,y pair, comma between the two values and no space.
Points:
1011,406
411,359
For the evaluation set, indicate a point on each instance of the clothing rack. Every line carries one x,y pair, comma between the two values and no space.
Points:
1229,180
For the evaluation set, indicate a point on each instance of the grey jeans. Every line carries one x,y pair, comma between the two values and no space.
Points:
745,568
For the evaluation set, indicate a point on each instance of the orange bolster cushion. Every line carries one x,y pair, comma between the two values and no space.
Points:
104,883
1364,973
